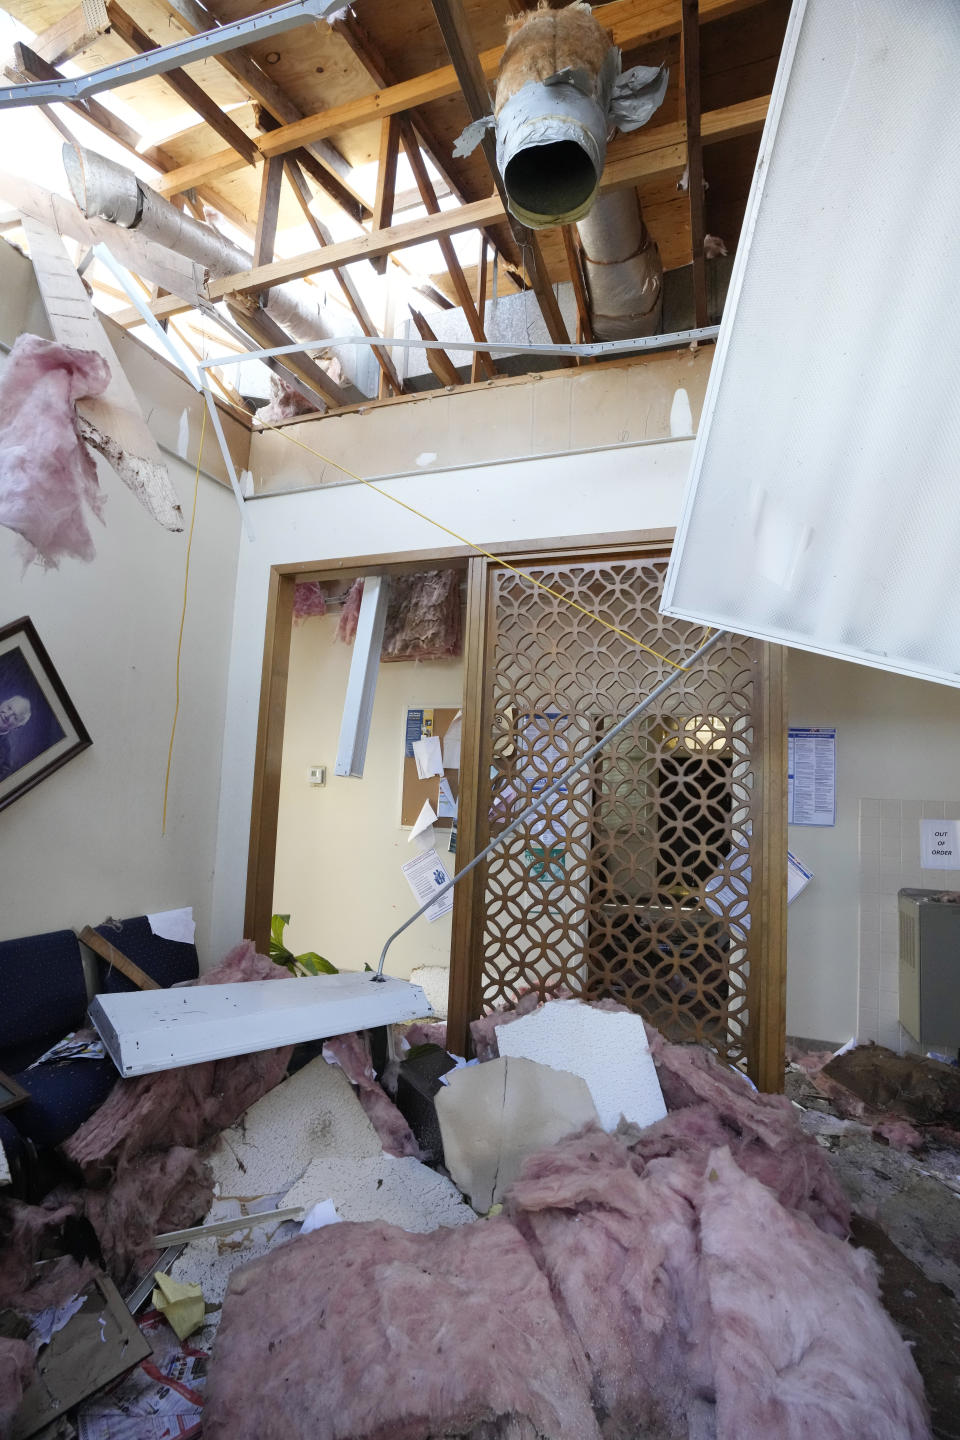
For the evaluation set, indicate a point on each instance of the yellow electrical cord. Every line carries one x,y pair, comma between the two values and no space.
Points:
497,559
183,617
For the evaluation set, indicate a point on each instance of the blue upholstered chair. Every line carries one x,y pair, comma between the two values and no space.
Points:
44,998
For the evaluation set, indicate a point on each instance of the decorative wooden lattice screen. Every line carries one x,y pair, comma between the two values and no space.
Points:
641,881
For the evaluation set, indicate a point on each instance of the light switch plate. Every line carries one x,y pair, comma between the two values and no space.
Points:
318,774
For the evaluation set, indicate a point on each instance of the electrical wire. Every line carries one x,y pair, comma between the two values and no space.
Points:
183,617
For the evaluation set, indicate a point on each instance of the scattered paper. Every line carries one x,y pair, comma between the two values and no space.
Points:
180,1304
159,1399
446,804
89,1047
425,876
811,776
174,925
429,756
424,821
451,743
798,877
940,844
323,1213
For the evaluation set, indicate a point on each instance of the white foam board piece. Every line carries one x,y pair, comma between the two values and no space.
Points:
607,1048
313,1113
400,1191
210,1261
149,1030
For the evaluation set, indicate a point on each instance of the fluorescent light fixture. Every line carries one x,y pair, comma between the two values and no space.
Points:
822,509
171,57
362,680
148,1030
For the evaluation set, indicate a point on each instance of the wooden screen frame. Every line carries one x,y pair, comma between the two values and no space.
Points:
768,980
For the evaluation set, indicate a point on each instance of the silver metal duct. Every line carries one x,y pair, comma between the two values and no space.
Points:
104,189
622,267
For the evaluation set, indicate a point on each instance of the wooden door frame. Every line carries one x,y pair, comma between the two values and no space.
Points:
769,988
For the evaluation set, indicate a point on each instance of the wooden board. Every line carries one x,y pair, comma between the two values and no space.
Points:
415,791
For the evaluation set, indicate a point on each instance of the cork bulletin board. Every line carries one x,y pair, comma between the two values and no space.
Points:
420,721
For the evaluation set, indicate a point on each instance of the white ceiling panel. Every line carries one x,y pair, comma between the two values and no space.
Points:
823,507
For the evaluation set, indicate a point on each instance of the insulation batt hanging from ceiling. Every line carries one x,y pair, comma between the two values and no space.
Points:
424,616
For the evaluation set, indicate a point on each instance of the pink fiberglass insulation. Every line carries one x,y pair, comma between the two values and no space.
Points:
47,475
185,1106
25,1231
350,613
801,1345
366,1332
423,617
423,620
16,1372
351,1054
157,1191
285,403
309,598
692,1290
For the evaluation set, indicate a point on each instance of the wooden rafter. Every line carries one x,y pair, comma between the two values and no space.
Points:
69,35
691,93
302,192
184,86
332,171
452,20
578,281
438,360
268,212
459,281
659,151
632,23
481,301
386,180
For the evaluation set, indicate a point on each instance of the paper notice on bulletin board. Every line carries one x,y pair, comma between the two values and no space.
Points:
812,776
423,730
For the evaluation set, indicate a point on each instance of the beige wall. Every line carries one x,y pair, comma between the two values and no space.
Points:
340,846
897,739
87,842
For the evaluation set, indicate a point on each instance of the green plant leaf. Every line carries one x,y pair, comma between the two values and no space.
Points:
278,951
315,964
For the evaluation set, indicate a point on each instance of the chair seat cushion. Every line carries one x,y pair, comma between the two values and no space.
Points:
62,1095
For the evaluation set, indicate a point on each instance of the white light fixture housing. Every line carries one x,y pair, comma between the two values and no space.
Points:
821,510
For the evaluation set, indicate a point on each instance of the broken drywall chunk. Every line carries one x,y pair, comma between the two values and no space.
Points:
493,1116
364,1331
313,1113
402,1192
608,1049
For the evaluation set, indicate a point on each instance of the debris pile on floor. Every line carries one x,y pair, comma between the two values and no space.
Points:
672,1258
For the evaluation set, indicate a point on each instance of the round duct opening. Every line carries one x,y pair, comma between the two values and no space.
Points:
550,184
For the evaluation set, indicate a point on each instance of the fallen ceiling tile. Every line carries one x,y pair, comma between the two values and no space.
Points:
493,1116
608,1048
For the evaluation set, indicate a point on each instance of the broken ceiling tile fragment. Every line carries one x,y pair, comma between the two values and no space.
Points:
402,1192
313,1113
493,1116
608,1048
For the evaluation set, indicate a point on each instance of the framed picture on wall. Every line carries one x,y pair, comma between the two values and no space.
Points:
40,729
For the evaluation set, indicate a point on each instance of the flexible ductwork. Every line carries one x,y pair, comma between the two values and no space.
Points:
559,95
622,268
110,191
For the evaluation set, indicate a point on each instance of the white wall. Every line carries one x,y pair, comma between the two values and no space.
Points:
340,846
86,842
623,490
897,739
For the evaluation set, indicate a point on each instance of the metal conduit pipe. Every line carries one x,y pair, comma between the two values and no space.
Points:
112,192
622,268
